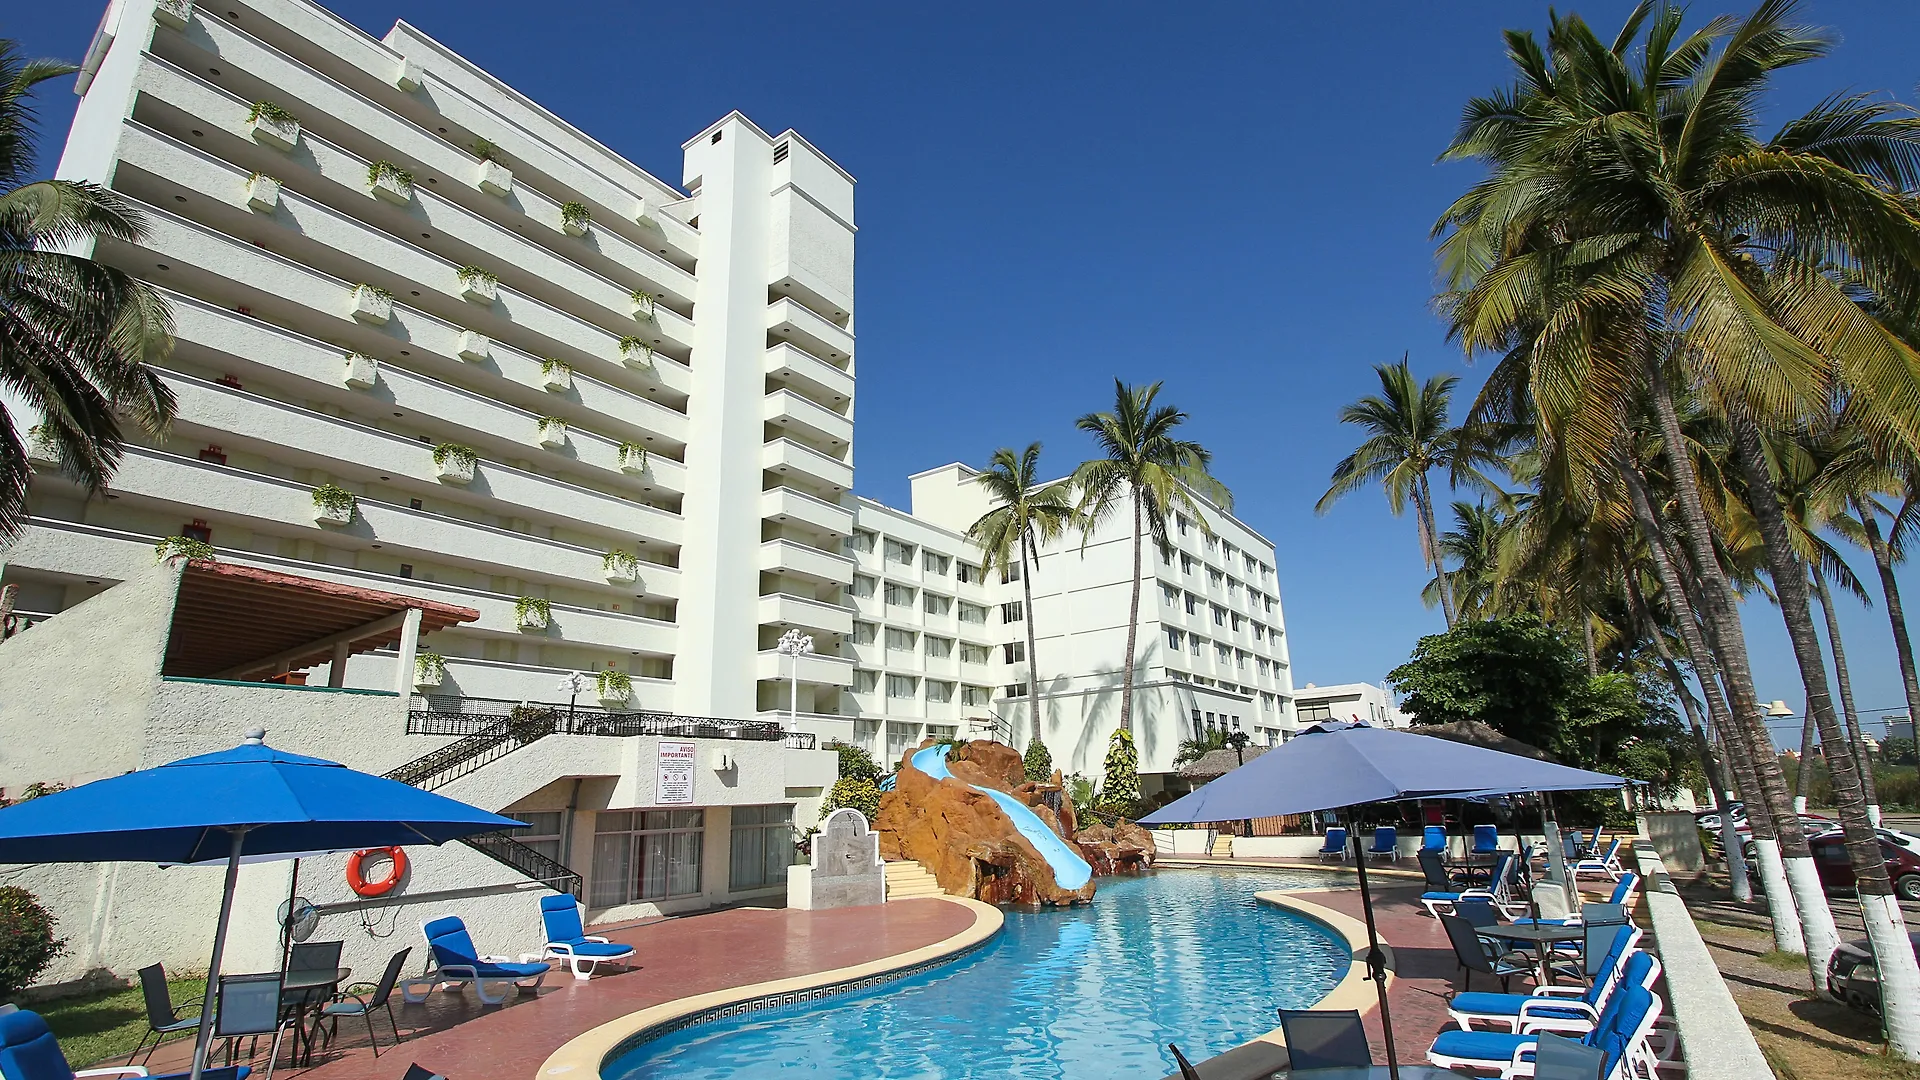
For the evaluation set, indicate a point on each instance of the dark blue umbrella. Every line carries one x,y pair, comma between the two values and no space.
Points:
1335,765
248,803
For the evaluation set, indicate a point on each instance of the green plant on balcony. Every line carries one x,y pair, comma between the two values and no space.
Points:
394,176
374,292
633,457
181,547
456,453
643,302
613,685
41,444
620,565
429,669
532,613
552,431
484,150
477,276
528,723
636,353
271,113
575,215
336,502
555,367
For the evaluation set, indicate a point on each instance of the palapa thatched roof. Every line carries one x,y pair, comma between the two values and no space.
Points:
1217,763
1475,733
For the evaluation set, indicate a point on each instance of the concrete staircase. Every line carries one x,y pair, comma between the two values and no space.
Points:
1222,846
907,879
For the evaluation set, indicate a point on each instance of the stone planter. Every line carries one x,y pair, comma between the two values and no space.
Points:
333,515
479,290
557,380
574,228
370,306
475,348
552,434
534,620
263,193
409,76
362,372
393,189
642,310
633,462
614,699
643,212
621,574
280,134
495,179
173,13
41,450
428,680
637,357
455,470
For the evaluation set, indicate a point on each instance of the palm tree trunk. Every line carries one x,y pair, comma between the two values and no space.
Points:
1430,546
1033,660
1586,631
1133,627
1644,613
1688,623
1863,847
1896,614
1856,745
1803,773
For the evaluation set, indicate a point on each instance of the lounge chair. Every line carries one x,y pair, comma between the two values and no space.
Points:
1486,839
567,940
1623,893
416,1071
455,962
1386,844
1475,953
1555,1058
1441,896
1608,864
1434,838
163,1016
1334,845
364,1006
28,1051
1577,1005
1325,1039
1256,1060
1624,1033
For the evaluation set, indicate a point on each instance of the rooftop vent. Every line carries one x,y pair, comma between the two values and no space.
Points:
780,153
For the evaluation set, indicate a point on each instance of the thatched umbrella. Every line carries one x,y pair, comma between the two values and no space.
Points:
1217,763
1475,733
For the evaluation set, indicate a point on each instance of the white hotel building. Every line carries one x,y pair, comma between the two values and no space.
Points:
524,358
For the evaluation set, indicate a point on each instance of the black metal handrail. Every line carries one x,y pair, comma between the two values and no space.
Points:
434,715
526,860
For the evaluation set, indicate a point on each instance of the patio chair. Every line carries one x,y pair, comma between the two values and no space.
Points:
163,1016
1608,864
567,940
417,1072
1187,1071
28,1051
1386,844
1503,1010
1499,893
1622,896
1325,1039
1623,1033
1434,838
249,1006
1334,845
364,1006
1555,1058
455,962
1475,953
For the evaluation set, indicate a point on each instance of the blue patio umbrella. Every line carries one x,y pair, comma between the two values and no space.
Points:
1336,765
252,802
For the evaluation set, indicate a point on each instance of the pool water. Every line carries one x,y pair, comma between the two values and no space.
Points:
1088,993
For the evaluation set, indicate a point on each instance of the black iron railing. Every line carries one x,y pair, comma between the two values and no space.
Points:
527,860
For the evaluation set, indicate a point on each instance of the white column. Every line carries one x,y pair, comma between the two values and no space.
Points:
409,647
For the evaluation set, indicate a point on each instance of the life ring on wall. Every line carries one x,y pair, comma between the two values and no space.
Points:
357,881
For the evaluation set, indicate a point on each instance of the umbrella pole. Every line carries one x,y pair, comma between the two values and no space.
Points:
286,924
1376,960
203,1038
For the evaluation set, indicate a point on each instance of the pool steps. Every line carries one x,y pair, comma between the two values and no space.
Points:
907,879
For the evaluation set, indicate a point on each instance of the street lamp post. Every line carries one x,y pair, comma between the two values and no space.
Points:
571,684
795,644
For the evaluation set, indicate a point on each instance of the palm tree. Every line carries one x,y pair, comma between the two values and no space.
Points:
1634,237
1144,464
1473,544
76,335
1025,515
1408,437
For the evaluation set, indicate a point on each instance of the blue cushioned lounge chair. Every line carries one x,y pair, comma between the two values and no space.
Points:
1334,845
1438,898
1503,1011
1434,839
1608,864
1386,844
28,1051
1486,839
1624,1032
455,962
567,940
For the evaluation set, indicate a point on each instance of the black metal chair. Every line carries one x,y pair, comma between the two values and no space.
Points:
249,1005
1187,1071
415,1072
1476,954
364,1006
1325,1039
1557,1058
163,1016
320,960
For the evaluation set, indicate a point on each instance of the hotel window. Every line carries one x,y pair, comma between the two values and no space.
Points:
966,572
900,595
543,830
864,681
1012,612
863,632
1270,608
1013,690
1215,577
1212,543
1186,563
1169,594
1240,658
1194,642
1193,604
1227,551
1180,522
1313,714
762,846
1259,632
934,604
646,855
939,648
1009,572
935,564
898,552
1236,622
901,640
1174,639
1253,566
1166,554
1014,651
976,696
939,692
861,542
1265,668
972,613
1219,615
862,586
1222,653
903,687
975,654
1233,588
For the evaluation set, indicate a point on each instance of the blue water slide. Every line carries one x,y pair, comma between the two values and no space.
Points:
1070,871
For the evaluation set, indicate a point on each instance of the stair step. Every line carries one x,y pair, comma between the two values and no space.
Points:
907,879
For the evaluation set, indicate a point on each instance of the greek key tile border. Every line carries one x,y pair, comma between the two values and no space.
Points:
775,1001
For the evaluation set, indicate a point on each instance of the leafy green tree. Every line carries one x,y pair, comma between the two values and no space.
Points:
1025,515
1147,467
1516,674
1898,751
856,762
1038,761
859,792
76,335
1120,785
27,944
1194,749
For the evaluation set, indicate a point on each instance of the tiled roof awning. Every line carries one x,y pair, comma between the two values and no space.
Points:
237,622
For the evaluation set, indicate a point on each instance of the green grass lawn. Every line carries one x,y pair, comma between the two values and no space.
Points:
110,1024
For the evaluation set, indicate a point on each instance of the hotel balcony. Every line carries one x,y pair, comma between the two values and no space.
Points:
790,321
789,458
791,413
786,504
785,609
817,669
807,373
787,556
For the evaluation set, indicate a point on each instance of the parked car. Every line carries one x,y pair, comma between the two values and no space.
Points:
1852,977
1836,870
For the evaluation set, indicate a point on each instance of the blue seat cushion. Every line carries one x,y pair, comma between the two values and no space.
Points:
597,948
1491,1046
1440,896
512,971
1484,1004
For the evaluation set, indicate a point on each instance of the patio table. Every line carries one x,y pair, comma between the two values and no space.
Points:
1543,936
303,989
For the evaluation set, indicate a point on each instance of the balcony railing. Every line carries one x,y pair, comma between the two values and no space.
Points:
484,717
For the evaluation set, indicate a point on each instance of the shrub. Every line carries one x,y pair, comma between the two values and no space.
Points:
182,546
1039,761
374,291
575,214
484,150
529,606
856,763
530,722
27,944
268,111
401,177
450,451
550,366
620,561
335,500
643,302
611,683
430,667
476,275
1120,787
859,792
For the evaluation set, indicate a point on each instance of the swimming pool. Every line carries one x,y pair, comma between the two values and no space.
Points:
1098,991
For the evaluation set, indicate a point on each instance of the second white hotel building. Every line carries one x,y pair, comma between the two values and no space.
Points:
520,352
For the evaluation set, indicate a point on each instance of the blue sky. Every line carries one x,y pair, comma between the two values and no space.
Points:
1231,198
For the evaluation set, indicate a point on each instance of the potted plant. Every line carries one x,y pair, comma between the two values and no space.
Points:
493,177
552,432
390,182
475,347
40,446
273,126
532,613
453,463
574,218
372,304
620,567
477,284
333,505
429,670
636,354
556,376
643,302
181,547
633,458
614,687
173,13
362,371
530,722
263,192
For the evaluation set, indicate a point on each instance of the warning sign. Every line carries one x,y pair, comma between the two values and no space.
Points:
675,784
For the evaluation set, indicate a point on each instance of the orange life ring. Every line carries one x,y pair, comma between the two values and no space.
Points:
358,882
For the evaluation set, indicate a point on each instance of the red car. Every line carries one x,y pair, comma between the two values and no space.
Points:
1830,858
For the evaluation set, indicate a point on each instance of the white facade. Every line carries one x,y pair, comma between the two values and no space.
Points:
1348,701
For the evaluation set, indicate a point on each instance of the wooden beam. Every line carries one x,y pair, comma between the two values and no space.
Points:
378,626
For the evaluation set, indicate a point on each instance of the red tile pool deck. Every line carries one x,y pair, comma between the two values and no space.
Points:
676,958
